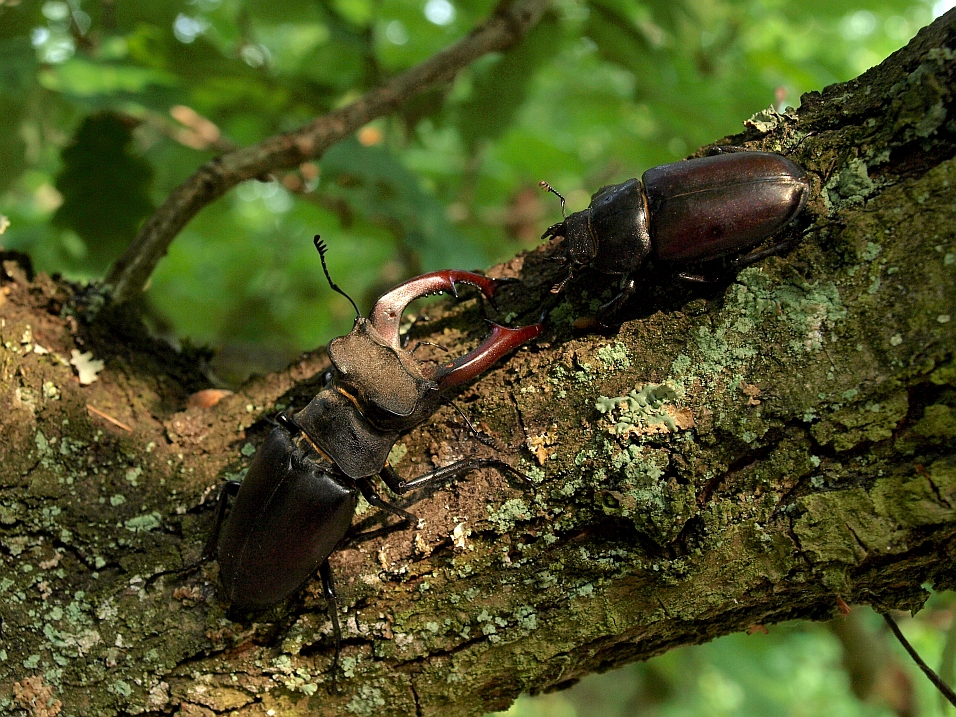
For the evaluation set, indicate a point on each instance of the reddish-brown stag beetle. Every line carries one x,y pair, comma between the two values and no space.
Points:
296,502
682,214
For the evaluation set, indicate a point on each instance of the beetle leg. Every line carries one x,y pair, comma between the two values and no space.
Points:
449,472
480,435
742,262
392,479
328,590
373,498
696,278
555,231
386,315
733,266
229,489
288,422
419,344
605,314
501,341
559,287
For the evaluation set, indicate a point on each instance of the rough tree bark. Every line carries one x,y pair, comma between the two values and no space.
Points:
788,445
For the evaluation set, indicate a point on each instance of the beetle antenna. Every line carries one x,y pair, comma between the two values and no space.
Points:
322,248
548,188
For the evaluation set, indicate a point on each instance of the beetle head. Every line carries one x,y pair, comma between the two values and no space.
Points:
577,244
388,384
392,388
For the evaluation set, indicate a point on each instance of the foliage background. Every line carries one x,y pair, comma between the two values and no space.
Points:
106,106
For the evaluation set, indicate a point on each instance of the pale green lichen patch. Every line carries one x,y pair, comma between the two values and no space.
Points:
647,410
367,701
526,618
920,101
633,488
807,309
397,453
870,251
505,517
51,391
564,313
942,474
631,484
760,317
945,374
852,185
132,475
122,688
149,521
938,423
614,356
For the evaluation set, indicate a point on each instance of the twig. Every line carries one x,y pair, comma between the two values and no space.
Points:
927,670
510,22
108,417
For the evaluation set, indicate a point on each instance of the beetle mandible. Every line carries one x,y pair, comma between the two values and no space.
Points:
296,502
682,214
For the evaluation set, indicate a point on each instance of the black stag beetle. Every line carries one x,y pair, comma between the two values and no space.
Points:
682,214
297,500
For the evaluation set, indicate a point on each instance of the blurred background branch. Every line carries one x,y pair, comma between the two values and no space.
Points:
128,276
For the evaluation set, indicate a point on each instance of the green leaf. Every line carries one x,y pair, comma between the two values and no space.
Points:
618,39
502,85
82,77
379,186
947,663
105,188
17,68
16,21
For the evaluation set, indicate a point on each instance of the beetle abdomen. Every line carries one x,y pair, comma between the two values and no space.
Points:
709,207
288,517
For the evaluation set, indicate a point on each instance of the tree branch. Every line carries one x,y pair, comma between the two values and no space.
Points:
510,22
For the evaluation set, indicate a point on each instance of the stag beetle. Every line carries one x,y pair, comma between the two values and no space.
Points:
296,502
682,214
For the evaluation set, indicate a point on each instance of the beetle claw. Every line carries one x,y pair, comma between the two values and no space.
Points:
555,231
386,315
559,287
501,340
